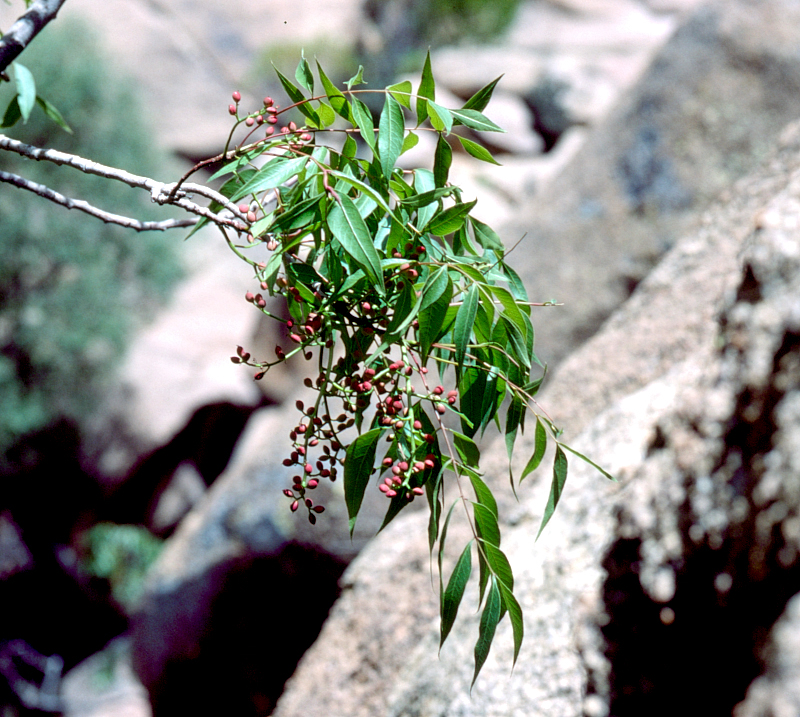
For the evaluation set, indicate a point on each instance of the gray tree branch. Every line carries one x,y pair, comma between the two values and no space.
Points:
26,28
160,192
84,206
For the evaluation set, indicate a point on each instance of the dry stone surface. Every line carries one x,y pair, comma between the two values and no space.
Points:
664,423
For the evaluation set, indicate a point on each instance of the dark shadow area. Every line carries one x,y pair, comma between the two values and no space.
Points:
705,646
251,622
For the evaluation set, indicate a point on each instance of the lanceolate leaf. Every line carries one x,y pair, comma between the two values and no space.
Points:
475,120
556,488
486,523
358,465
303,74
297,98
482,492
476,150
538,451
390,135
467,449
481,98
402,93
450,220
442,160
350,230
590,462
26,90
427,91
411,140
515,613
432,316
513,418
53,113
271,175
455,591
489,619
337,99
440,118
363,119
463,326
357,79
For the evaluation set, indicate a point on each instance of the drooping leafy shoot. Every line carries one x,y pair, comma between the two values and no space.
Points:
386,272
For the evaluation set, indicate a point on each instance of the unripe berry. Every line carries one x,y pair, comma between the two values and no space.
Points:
440,409
237,96
417,425
249,121
249,296
313,483
231,109
288,493
419,490
268,101
293,507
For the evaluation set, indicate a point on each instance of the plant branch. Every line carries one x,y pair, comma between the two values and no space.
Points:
26,28
83,206
160,193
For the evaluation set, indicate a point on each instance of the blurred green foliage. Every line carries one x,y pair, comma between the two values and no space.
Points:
121,554
71,287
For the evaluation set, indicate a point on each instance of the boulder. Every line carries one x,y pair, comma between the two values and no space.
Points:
644,594
708,110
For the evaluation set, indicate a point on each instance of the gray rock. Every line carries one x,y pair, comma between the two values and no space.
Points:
668,378
707,111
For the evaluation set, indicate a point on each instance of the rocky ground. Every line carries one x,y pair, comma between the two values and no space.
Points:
628,121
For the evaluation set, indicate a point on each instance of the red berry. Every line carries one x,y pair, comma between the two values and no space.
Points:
237,96
249,296
293,507
232,109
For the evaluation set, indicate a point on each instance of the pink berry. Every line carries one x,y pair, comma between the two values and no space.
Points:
232,109
237,96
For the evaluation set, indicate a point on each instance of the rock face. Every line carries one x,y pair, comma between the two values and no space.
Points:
664,587
708,110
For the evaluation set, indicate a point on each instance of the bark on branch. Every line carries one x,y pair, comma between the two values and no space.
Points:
160,193
26,28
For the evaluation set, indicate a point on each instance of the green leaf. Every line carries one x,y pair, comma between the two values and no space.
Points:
476,150
426,91
402,93
471,391
338,101
441,554
53,113
489,619
467,449
12,114
303,74
405,310
390,135
538,452
417,201
432,315
510,308
481,98
482,493
513,419
271,175
26,90
455,591
424,182
363,119
515,613
440,118
486,524
357,79
475,120
350,147
485,235
297,97
358,463
463,326
442,159
411,140
499,564
326,115
450,220
556,488
352,233
590,462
